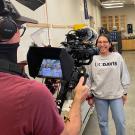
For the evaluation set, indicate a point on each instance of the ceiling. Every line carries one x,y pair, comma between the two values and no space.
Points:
126,2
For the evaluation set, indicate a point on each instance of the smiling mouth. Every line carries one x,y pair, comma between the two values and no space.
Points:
103,48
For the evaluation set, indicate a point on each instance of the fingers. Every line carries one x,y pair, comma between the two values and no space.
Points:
80,85
85,93
124,98
81,81
91,102
81,91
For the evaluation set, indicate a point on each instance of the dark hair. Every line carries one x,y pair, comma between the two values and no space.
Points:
7,28
111,49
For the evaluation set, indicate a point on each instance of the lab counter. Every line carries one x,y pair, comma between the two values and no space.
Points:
128,44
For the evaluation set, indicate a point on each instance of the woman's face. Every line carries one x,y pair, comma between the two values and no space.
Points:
103,45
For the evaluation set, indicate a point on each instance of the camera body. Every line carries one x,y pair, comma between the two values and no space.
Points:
79,44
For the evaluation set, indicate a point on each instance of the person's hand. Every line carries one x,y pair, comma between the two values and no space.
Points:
124,98
81,91
91,101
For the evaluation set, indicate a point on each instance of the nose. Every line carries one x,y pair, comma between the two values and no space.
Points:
102,43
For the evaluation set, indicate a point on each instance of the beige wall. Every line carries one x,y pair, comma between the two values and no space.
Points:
95,11
65,12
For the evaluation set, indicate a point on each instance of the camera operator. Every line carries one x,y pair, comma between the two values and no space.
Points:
26,106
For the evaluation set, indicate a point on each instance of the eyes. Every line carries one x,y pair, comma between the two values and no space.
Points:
104,42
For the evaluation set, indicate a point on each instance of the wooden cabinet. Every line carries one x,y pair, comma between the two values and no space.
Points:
117,22
128,44
104,21
110,21
123,23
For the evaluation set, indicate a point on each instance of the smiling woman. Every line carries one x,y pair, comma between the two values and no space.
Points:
109,82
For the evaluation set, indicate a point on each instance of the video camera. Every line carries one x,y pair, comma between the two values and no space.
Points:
66,64
79,44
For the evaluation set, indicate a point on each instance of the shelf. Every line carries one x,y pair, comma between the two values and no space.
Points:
110,21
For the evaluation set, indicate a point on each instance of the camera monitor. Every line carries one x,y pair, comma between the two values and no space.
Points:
50,62
50,68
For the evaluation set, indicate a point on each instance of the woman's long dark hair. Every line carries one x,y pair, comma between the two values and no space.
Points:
111,49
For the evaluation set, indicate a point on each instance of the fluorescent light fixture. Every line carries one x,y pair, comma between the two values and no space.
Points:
114,6
111,4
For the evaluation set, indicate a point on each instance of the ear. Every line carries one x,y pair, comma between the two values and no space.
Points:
15,38
110,44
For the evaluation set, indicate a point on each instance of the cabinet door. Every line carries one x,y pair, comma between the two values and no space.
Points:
104,21
123,22
117,22
110,23
128,45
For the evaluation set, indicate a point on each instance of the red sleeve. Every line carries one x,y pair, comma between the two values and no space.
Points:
43,117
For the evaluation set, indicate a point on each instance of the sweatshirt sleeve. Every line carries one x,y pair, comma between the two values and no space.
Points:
125,77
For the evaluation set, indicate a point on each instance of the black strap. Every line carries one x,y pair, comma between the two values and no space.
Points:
9,67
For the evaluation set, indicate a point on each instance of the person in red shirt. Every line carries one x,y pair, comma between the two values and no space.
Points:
26,106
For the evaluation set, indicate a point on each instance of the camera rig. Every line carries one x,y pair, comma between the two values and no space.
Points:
79,44
78,52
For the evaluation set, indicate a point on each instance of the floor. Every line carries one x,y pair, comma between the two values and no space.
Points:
92,125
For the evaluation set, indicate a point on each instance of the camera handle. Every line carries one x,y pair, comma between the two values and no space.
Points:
62,96
85,78
66,86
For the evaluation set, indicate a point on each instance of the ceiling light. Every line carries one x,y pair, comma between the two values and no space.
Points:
114,6
111,4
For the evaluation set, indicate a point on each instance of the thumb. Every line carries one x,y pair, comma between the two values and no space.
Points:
81,80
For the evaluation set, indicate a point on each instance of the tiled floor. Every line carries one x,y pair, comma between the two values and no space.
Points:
92,125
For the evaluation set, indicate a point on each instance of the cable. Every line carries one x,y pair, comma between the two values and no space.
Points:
48,29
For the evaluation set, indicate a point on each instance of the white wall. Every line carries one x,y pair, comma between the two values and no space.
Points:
64,11
67,12
128,11
95,11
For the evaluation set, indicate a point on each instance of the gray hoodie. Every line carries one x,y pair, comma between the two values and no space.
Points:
109,76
